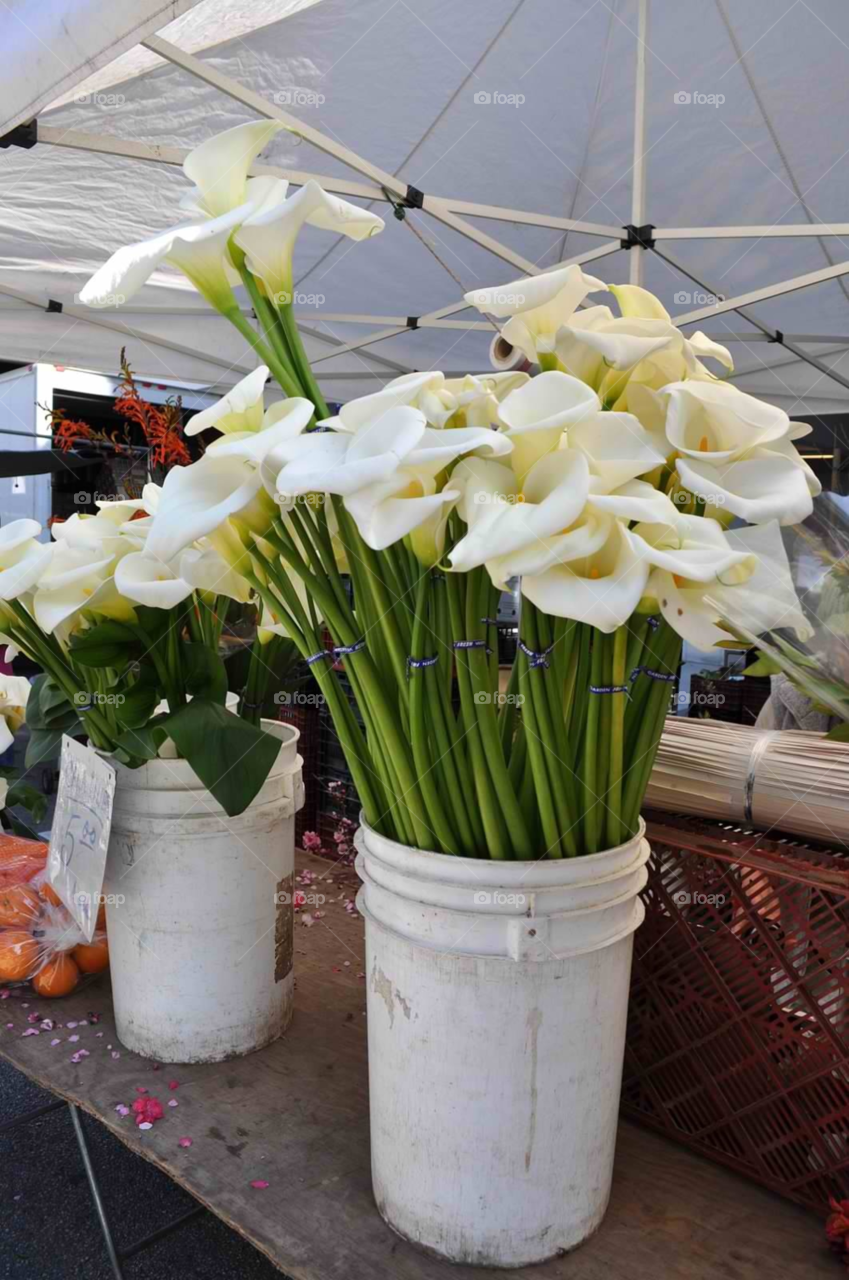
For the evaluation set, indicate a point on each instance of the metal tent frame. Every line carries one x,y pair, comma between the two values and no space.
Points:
637,238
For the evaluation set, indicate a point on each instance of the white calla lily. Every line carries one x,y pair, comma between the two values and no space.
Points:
151,582
758,591
204,569
537,306
226,481
14,694
617,446
736,452
219,167
267,238
22,559
602,589
535,416
241,409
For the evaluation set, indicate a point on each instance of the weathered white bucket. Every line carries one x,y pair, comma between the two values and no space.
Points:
199,910
497,998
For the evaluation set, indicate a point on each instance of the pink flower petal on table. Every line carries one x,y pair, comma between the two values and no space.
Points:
46,1024
5,993
31,1031
173,1103
145,1124
184,1142
10,1026
79,1055
98,1034
173,1084
58,1040
115,1053
140,1088
259,1184
70,1025
33,1017
122,1109
73,1039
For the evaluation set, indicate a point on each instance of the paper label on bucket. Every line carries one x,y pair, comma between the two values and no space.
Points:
79,839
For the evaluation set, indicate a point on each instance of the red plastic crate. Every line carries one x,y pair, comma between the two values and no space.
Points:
738,1036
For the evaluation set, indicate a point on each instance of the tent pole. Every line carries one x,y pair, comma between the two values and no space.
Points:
638,172
737,304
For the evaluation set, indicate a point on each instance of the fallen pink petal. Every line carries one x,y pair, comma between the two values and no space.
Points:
184,1142
173,1102
259,1184
173,1084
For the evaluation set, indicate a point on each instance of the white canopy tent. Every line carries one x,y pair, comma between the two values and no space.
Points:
522,133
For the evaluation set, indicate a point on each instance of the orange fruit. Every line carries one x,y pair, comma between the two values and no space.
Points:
58,977
18,955
20,906
92,957
49,894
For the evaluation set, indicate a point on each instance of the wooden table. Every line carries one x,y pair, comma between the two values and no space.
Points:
296,1116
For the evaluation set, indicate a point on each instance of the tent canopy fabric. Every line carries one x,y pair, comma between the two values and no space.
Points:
528,107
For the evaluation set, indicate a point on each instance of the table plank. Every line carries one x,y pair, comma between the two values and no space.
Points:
296,1115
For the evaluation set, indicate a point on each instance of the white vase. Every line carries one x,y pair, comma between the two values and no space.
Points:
497,1000
199,909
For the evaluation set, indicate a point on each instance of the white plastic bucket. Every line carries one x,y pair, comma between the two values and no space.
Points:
199,910
497,999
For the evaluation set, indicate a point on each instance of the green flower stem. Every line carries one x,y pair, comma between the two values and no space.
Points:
590,778
274,337
615,829
666,654
538,770
479,676
266,355
425,758
508,716
552,686
495,832
557,767
300,362
45,652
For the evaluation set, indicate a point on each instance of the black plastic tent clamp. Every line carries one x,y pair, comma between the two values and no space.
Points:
23,135
638,237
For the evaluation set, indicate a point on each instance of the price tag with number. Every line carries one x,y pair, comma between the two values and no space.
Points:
79,839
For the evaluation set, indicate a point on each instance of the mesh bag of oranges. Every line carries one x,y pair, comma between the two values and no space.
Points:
40,943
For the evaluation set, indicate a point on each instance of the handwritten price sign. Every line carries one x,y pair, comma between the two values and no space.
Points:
79,839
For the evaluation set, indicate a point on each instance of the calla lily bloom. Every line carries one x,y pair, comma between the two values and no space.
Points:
386,471
455,402
226,481
14,693
602,589
204,569
537,306
758,591
736,451
241,409
535,416
150,582
267,238
75,582
22,559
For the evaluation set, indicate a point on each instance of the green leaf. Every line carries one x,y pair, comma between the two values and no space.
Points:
140,697
44,746
109,644
231,757
840,733
762,666
144,742
204,673
21,793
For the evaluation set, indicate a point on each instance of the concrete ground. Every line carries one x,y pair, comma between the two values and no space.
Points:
48,1225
